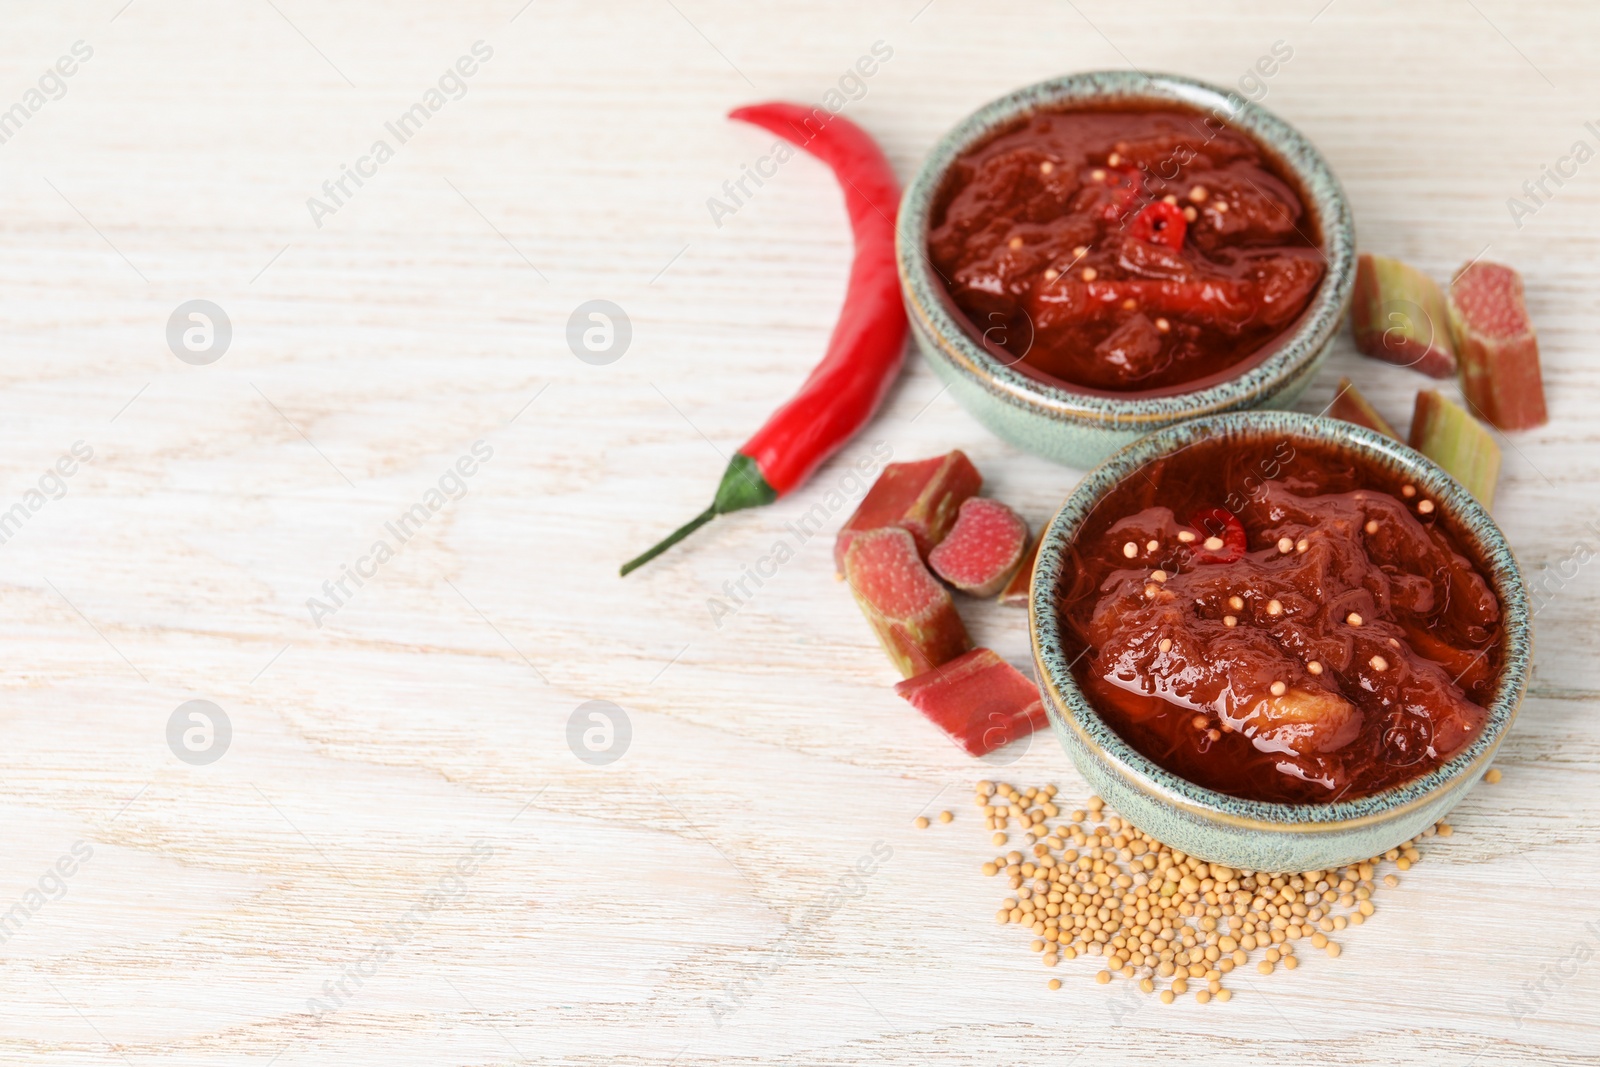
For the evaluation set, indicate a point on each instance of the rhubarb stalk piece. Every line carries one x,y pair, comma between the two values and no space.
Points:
979,700
1399,316
1020,589
1498,348
1349,405
983,549
913,615
922,497
1452,438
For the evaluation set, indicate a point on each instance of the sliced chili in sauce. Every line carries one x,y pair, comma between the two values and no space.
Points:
1125,250
1350,644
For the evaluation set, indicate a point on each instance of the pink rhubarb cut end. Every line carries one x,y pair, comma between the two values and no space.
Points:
979,700
922,497
912,614
983,549
1498,347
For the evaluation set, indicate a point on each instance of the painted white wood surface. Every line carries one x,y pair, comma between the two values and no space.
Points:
429,714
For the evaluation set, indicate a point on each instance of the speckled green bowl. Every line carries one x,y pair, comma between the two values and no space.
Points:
1246,834
1082,428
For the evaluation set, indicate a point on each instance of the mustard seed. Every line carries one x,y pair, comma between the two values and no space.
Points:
945,816
1493,775
922,822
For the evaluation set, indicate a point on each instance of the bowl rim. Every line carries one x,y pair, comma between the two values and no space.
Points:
1066,702
926,295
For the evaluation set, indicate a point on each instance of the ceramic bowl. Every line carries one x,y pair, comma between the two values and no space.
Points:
1082,428
1254,835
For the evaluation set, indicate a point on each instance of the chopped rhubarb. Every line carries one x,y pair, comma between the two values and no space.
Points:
983,549
1020,590
1499,350
980,700
922,497
1399,316
1349,405
1448,435
912,614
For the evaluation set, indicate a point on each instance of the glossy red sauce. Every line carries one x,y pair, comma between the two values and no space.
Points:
1360,658
1125,250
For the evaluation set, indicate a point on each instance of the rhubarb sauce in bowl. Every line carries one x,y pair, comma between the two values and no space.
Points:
1101,255
1277,641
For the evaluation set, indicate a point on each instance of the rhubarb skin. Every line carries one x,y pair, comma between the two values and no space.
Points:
1447,434
910,611
979,700
1019,591
1349,405
1399,315
1499,351
922,497
983,549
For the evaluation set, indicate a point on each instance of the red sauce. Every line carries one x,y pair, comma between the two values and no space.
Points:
1125,250
1360,658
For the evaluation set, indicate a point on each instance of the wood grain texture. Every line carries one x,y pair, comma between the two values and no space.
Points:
610,908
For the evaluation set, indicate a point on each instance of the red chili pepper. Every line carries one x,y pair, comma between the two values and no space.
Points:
1161,223
868,343
1226,527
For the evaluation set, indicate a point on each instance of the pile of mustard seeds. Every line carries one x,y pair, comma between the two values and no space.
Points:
1095,885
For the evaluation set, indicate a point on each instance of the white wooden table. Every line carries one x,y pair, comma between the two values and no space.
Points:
398,811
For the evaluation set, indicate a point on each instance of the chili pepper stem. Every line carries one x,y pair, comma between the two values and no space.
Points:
743,486
671,539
